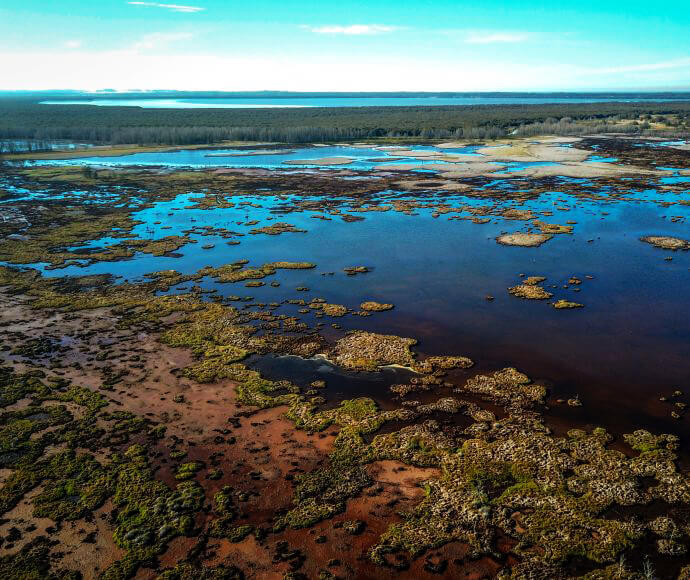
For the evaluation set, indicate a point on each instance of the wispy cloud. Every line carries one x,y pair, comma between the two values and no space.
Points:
171,7
495,37
353,29
73,44
664,65
157,40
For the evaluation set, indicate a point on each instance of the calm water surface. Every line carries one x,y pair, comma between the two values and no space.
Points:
362,158
629,344
299,102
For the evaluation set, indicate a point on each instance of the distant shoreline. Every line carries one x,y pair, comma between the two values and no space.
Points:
23,118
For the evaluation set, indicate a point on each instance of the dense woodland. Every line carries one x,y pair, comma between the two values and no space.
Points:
23,119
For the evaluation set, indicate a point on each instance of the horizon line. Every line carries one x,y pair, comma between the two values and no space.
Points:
110,91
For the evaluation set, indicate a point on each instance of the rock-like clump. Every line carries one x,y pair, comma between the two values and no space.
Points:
667,242
524,240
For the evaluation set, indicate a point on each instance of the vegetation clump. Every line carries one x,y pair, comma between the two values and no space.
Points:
368,351
524,240
354,270
438,365
371,306
566,304
550,229
276,229
667,242
336,310
530,289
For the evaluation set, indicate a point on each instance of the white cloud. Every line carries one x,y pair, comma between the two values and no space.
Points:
172,7
151,69
353,29
127,69
495,37
655,66
73,44
158,40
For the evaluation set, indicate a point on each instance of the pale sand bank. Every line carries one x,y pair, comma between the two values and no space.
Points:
522,239
526,152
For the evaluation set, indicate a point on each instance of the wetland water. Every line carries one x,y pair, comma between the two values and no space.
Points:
360,158
626,347
153,287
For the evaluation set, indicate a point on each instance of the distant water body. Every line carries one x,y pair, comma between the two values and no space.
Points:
301,102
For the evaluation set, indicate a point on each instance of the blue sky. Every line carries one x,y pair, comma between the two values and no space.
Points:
439,45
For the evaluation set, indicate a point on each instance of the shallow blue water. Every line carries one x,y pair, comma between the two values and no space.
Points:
630,342
675,179
600,159
437,272
364,158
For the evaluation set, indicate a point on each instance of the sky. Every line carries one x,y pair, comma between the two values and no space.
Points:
362,45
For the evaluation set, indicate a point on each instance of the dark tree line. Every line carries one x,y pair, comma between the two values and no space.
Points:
24,119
